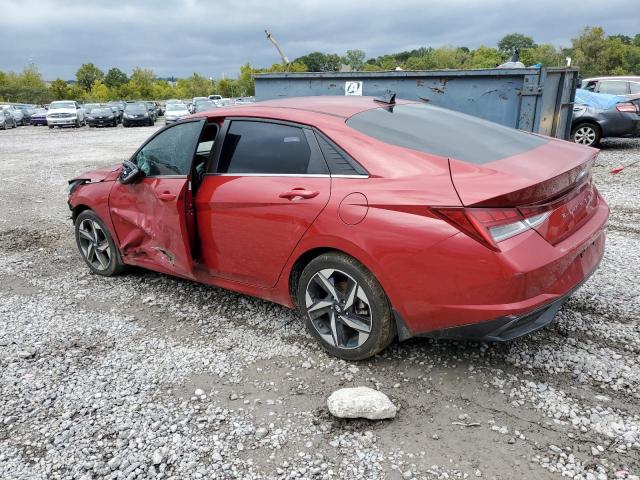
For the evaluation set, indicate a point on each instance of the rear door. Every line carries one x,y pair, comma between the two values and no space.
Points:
150,216
268,184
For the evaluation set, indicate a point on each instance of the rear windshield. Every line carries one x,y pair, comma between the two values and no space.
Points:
443,132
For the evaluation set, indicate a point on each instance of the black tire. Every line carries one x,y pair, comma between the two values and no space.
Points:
125,125
382,325
51,126
586,133
114,266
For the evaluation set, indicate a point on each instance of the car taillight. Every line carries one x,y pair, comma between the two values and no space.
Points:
627,107
490,226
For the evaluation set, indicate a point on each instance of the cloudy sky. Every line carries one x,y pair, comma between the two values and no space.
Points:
178,37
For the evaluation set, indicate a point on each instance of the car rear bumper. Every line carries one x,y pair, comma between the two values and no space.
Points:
498,295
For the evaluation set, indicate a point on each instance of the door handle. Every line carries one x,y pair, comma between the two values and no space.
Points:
299,192
167,197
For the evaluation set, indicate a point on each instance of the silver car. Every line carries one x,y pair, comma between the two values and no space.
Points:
7,120
17,114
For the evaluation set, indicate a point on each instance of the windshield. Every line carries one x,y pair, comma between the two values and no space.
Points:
204,105
136,107
175,107
443,132
101,111
57,105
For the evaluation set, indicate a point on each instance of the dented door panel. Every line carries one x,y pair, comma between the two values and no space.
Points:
149,218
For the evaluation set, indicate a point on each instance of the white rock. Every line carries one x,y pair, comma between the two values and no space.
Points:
361,402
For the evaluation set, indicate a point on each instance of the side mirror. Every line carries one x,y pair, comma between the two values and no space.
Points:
130,173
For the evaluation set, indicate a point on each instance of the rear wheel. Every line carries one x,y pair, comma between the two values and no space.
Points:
586,134
96,246
51,126
345,307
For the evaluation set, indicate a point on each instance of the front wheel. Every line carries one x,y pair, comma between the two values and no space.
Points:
586,134
345,307
96,246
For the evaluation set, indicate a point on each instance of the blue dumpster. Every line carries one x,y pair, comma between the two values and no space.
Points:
531,99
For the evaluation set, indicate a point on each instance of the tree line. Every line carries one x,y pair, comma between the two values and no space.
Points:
594,52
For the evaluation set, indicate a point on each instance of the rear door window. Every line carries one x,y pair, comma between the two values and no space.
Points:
613,87
253,147
634,87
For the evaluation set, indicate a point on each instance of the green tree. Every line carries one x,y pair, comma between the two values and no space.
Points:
87,74
99,92
449,57
320,62
140,85
355,59
547,55
510,42
59,90
115,77
26,86
484,57
587,51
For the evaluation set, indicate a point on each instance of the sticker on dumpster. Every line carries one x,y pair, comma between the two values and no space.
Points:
353,88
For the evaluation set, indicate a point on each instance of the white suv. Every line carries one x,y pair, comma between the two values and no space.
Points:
65,113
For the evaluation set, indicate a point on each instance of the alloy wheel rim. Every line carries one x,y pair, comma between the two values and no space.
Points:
339,309
585,135
94,244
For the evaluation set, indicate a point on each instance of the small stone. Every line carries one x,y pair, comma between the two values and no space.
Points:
199,392
361,402
407,475
478,473
157,457
555,449
435,436
261,432
595,452
306,365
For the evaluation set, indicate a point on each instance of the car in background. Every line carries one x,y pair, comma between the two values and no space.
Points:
104,116
65,113
136,114
194,100
16,113
244,101
27,110
119,105
628,86
599,115
159,108
151,108
6,119
39,117
175,112
215,98
204,105
343,208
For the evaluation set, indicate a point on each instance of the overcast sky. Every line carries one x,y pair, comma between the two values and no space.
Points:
178,37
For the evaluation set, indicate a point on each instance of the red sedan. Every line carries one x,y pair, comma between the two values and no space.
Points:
376,220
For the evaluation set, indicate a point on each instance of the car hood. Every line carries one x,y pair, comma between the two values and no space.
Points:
106,174
62,110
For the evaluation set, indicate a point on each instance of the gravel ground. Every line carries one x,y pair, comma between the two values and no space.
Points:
147,376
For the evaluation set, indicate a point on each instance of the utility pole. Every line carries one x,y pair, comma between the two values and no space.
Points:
285,60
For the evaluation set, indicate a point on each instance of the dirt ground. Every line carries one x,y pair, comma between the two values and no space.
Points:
98,375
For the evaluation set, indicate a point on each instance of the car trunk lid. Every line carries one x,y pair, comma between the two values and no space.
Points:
549,188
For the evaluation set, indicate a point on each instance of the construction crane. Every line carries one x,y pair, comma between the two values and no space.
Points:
285,60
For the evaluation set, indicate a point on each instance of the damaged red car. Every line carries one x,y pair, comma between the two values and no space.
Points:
375,220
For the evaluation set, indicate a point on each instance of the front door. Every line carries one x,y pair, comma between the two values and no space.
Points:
150,216
260,197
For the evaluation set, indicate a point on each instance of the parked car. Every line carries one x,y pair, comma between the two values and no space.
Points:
16,113
87,107
204,106
6,119
344,208
598,115
39,117
119,106
151,108
175,112
136,114
27,111
65,113
194,101
216,99
627,86
102,117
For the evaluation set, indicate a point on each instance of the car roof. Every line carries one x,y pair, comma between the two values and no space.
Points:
341,107
626,78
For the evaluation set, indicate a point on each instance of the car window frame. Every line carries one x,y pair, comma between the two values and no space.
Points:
315,151
202,121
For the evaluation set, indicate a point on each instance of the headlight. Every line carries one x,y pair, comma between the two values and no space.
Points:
146,114
89,117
